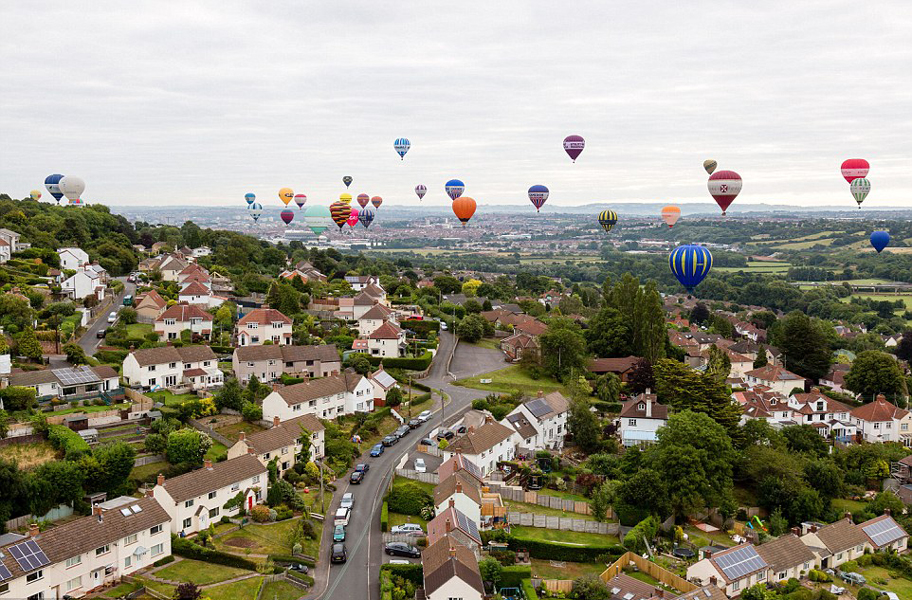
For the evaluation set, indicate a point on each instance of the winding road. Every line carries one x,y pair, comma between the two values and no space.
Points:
89,340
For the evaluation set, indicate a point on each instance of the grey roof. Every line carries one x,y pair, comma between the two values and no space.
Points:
883,531
739,562
221,474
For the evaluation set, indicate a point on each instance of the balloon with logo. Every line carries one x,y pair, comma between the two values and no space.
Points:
860,188
52,183
300,200
724,187
353,217
690,264
376,201
880,240
366,216
255,210
339,211
346,198
454,188
402,146
464,207
249,198
35,195
710,165
574,145
855,168
363,199
347,180
537,195
607,219
287,216
286,195
317,218
671,214
72,187
420,190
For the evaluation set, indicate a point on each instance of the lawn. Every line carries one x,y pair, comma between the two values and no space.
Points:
266,538
170,399
906,298
488,343
198,572
246,588
901,586
163,588
844,505
511,379
28,456
121,590
232,431
769,267
567,538
428,487
570,570
564,495
701,538
150,470
139,330
544,510
397,519
91,409
281,590
216,450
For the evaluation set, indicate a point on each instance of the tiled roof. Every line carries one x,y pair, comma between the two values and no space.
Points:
378,311
30,378
437,527
841,535
320,387
221,474
153,297
532,327
373,291
323,353
613,365
483,439
707,592
184,312
522,425
447,487
284,434
447,559
785,552
363,299
195,289
387,331
105,372
882,531
263,316
879,410
169,354
774,373
458,462
625,587
631,408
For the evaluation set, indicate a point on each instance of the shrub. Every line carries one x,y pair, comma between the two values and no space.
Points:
408,499
225,519
867,594
164,561
529,590
384,517
512,576
421,328
187,549
67,441
413,573
259,513
551,551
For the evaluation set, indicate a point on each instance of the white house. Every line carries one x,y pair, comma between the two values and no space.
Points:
269,362
12,240
359,282
486,446
540,423
181,317
196,293
73,259
72,559
881,421
170,267
640,419
69,383
388,340
196,499
787,557
262,324
83,283
360,304
5,251
325,397
451,572
170,367
732,570
884,533
835,543
776,378
829,417
382,382
465,492
282,441
376,316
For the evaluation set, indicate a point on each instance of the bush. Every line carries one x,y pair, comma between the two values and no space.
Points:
551,551
259,513
421,328
413,573
67,441
289,560
164,561
867,594
408,499
384,517
225,519
187,549
513,576
413,364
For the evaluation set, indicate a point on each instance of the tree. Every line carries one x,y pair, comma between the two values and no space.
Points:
230,396
641,377
699,314
583,425
591,587
608,388
903,349
608,334
875,373
757,592
805,439
563,349
252,412
762,359
4,424
719,364
187,446
15,398
394,397
108,467
884,501
644,492
188,591
471,328
777,524
470,287
28,345
805,343
683,388
127,315
602,498
491,570
825,476
75,354
360,363
472,306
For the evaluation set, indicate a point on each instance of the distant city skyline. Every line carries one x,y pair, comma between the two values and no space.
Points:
200,103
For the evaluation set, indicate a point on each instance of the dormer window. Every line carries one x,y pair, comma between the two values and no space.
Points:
641,406
252,325
820,405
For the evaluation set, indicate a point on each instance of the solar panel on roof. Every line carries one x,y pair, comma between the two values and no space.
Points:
467,525
883,532
4,572
76,376
538,407
29,556
740,562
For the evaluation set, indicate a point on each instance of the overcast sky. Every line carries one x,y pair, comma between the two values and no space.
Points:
198,103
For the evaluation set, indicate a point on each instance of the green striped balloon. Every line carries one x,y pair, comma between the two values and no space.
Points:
860,188
607,219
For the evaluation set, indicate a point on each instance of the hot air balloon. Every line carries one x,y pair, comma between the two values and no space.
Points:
454,188
72,187
300,200
286,195
318,218
339,211
724,186
363,199
250,198
52,183
353,217
854,168
76,202
346,198
255,210
573,146
464,207
347,180
421,191
607,219
287,216
671,214
880,240
367,216
35,195
537,195
402,146
690,264
376,201
710,165
860,188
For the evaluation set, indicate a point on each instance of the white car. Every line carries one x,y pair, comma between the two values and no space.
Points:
399,561
443,325
409,529
342,516
112,318
425,416
420,467
348,500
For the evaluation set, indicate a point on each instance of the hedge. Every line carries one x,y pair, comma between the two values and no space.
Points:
187,549
420,327
68,441
420,399
287,379
513,576
164,561
286,558
408,499
384,517
554,551
222,349
412,364
305,579
529,590
607,407
413,572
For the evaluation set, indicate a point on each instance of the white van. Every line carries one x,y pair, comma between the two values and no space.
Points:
342,516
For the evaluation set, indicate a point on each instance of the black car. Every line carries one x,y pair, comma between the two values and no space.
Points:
357,477
461,429
389,440
402,549
414,423
101,333
446,434
339,555
362,467
402,431
427,442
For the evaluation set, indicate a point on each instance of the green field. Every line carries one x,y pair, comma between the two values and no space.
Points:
511,379
537,509
139,330
246,588
198,572
906,298
267,538
281,590
170,399
759,267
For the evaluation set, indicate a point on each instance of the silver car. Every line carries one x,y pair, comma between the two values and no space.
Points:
348,500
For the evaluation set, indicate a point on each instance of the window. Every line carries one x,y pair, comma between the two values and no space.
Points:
128,561
285,450
781,575
73,561
172,365
103,550
859,548
188,503
212,495
632,422
33,577
266,456
252,325
839,556
255,479
187,523
38,596
170,322
206,363
157,549
130,539
151,368
736,586
152,382
214,513
156,529
235,487
761,575
187,366
876,425
4,588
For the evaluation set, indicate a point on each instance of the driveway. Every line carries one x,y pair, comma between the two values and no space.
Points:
89,340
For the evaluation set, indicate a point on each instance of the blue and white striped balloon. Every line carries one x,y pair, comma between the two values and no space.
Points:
402,146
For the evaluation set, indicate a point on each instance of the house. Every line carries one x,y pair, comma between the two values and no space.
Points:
5,251
388,340
640,419
884,533
99,270
520,344
459,463
776,378
310,271
767,405
376,292
72,259
532,327
486,446
150,305
71,383
450,571
79,556
359,282
183,317
881,421
268,362
835,378
465,492
382,383
740,364
196,293
732,570
622,367
374,318
11,241
830,417
836,543
282,442
540,422
787,557
325,397
453,523
262,324
550,298
169,367
356,307
201,251
82,284
170,267
196,499
749,331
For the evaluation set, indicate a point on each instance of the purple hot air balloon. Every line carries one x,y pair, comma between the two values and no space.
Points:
287,216
573,146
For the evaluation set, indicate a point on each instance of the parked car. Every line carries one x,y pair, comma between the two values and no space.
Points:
362,467
299,568
408,529
389,440
414,424
112,318
377,450
427,442
101,333
856,578
445,434
342,516
339,555
356,477
399,561
425,416
461,430
402,431
339,533
443,325
402,549
348,500
420,467
888,595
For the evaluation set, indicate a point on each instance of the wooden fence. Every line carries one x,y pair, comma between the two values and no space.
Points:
516,494
55,514
561,523
555,586
663,576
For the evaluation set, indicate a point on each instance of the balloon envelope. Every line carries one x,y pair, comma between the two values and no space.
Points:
537,195
52,183
363,199
287,216
724,187
464,207
573,146
607,219
860,188
854,168
671,214
286,195
376,201
35,195
347,180
300,200
366,216
72,187
255,210
710,165
690,264
346,198
454,188
880,240
339,211
402,146
250,198
421,191
353,217
318,218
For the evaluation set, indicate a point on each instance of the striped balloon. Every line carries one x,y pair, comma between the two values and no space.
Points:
376,201
363,199
860,188
317,218
421,191
339,211
300,200
724,187
854,168
710,165
366,216
346,198
537,195
287,216
402,146
607,219
690,264
250,198
454,188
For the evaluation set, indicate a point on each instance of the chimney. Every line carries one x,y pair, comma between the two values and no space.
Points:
881,398
34,530
648,404
208,464
335,373
96,510
796,531
251,451
452,504
713,580
458,487
489,419
660,593
275,386
540,393
276,421
148,493
847,515
449,526
242,436
452,551
160,480
888,511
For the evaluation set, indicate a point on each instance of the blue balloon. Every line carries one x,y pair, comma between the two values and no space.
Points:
366,216
250,197
454,188
51,182
690,264
402,146
880,240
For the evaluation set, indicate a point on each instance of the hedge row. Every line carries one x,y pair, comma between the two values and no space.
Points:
187,549
305,579
222,349
420,327
513,576
529,590
607,407
412,364
384,517
412,572
553,551
67,441
285,558
420,399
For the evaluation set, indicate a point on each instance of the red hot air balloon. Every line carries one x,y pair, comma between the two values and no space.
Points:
339,211
855,168
287,216
724,186
363,199
573,146
376,201
353,217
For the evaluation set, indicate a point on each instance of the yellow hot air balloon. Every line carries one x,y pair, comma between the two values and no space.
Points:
35,195
286,195
671,214
345,198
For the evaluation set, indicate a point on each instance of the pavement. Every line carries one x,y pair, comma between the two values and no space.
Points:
359,577
89,340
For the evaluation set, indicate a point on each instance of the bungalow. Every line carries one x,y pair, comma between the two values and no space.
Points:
465,493
196,499
640,419
71,383
622,367
881,421
325,397
183,317
359,282
388,340
767,405
453,523
836,543
787,557
282,442
733,570
884,533
776,378
269,362
489,444
150,305
262,324
170,367
546,415
450,571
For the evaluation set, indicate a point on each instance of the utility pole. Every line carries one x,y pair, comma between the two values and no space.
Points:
322,497
410,397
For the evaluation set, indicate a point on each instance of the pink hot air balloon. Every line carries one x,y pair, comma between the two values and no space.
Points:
724,187
573,146
363,199
300,200
376,201
855,168
287,216
353,217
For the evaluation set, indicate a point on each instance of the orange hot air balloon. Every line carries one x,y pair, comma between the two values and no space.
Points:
286,195
340,212
671,214
464,207
376,201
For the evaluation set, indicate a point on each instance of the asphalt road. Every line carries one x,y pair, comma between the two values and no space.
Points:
89,340
359,577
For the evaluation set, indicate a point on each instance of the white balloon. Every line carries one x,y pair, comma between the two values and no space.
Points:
72,187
